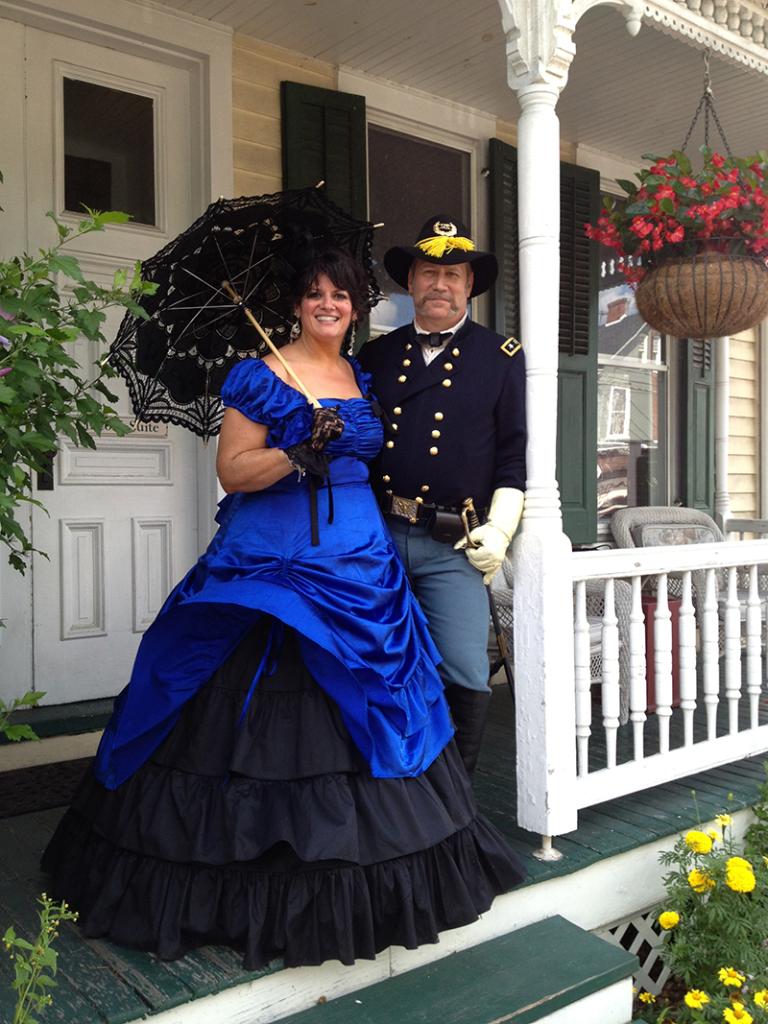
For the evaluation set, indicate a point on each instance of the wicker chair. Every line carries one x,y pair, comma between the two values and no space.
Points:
503,595
664,524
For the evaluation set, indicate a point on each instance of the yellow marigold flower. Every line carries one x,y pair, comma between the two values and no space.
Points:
739,875
730,976
646,997
669,919
714,835
761,998
723,820
696,999
737,1013
700,881
699,842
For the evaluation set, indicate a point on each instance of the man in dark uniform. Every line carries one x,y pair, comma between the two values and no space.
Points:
455,395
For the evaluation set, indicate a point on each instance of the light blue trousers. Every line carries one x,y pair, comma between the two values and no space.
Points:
453,598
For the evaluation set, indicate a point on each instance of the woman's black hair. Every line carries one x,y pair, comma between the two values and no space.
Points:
340,268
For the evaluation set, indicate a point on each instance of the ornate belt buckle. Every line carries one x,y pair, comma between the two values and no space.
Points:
405,507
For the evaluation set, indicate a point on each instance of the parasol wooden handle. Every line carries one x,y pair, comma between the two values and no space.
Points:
271,346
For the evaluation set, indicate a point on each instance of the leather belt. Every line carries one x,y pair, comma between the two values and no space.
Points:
414,511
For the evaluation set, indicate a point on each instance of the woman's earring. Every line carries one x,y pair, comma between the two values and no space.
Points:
352,339
295,329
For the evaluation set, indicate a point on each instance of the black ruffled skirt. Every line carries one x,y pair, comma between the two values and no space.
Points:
266,832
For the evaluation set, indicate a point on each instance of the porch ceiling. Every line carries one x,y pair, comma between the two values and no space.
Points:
624,96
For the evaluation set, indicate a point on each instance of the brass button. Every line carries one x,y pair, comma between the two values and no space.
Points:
408,347
433,451
386,478
394,426
402,379
424,488
388,492
390,444
397,410
435,433
419,501
455,352
406,362
447,366
438,416
447,383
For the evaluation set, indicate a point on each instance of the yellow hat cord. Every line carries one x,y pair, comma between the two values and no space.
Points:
439,245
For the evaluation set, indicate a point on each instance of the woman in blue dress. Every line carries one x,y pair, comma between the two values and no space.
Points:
279,774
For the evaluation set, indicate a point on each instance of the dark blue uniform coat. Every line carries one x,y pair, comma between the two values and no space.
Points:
460,422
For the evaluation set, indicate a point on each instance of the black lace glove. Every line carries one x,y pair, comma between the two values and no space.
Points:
306,459
327,425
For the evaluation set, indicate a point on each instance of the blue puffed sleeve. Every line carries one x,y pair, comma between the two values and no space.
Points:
258,393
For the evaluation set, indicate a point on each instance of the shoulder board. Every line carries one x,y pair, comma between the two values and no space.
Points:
510,347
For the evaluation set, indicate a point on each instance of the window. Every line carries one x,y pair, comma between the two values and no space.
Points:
397,163
631,399
109,150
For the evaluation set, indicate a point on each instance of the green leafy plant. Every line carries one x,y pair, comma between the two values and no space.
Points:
715,914
35,962
44,391
19,730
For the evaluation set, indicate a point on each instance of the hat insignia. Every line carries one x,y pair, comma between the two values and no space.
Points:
445,229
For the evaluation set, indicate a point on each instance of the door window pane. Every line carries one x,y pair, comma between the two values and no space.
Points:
109,150
631,399
410,179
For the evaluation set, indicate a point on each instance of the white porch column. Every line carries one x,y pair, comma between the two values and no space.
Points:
540,50
722,403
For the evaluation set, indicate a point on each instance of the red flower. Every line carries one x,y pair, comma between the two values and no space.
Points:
717,160
665,192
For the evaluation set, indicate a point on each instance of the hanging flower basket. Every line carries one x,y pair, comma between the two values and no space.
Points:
693,243
708,295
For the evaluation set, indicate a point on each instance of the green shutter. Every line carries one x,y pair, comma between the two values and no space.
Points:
699,420
577,365
505,297
577,369
324,140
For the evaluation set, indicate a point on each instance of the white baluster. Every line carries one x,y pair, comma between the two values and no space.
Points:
610,688
662,642
582,677
754,651
687,638
708,8
758,29
721,12
711,651
732,652
694,5
746,28
732,18
638,690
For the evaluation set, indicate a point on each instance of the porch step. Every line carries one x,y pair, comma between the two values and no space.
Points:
552,971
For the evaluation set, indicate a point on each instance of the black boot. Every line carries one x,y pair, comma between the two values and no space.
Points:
469,710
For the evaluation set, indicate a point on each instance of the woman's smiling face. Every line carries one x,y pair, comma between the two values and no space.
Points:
325,311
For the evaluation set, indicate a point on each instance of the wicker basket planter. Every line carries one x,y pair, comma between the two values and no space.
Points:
709,295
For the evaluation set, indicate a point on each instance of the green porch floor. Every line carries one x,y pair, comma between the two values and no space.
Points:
100,983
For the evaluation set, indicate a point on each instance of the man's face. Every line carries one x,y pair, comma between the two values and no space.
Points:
440,293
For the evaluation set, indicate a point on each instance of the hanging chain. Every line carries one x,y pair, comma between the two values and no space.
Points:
707,104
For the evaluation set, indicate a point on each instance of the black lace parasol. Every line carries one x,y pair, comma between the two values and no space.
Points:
175,362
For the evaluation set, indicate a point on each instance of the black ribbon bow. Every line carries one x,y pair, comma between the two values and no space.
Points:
437,338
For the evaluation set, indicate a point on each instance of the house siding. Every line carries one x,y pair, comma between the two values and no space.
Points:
257,70
744,426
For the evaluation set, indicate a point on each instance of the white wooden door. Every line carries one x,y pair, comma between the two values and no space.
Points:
120,525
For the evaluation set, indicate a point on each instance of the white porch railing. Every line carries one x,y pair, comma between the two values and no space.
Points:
706,686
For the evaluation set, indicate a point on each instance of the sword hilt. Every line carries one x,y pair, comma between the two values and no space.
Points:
470,519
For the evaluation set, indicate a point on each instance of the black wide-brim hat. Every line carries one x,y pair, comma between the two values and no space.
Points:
447,242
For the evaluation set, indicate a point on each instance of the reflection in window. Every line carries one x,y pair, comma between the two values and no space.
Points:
631,396
409,179
109,150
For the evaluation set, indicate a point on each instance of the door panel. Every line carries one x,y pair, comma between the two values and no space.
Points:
120,524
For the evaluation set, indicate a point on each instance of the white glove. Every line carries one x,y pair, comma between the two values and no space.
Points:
493,537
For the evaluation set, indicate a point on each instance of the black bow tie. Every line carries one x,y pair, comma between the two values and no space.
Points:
436,339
